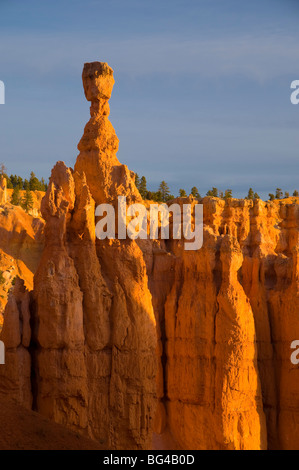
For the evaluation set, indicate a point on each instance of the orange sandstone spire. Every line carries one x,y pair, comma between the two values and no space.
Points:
105,176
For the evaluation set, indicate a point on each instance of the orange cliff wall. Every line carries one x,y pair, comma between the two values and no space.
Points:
126,337
229,319
21,246
93,341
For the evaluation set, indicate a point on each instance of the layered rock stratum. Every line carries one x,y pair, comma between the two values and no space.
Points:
120,339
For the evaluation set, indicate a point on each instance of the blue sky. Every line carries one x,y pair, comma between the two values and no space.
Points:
202,93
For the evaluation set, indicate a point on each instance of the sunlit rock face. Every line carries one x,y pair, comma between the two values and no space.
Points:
120,338
93,347
3,190
106,177
230,315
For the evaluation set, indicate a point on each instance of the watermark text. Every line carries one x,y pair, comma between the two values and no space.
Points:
2,92
295,94
2,353
145,223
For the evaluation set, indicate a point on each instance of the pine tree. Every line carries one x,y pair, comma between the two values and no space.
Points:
250,194
256,196
149,195
228,194
8,182
42,185
16,181
195,193
137,181
13,180
164,190
142,187
295,193
279,193
34,184
182,193
271,197
27,201
157,196
16,197
286,194
213,192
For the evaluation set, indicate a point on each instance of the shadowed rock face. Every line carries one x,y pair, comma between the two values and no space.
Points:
127,337
15,376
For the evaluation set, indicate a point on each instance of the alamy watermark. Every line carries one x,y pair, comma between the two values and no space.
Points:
2,93
294,356
147,223
295,94
2,353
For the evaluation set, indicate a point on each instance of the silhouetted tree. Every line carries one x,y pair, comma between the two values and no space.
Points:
250,194
137,181
279,193
195,193
213,192
228,194
182,193
271,197
142,187
164,190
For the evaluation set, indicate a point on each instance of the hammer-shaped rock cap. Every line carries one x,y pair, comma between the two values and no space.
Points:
98,81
